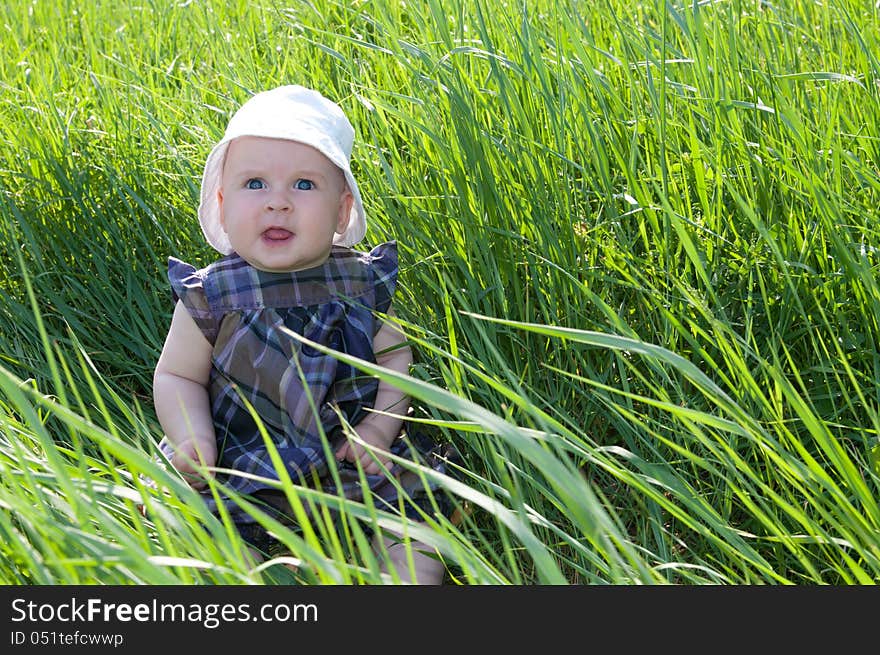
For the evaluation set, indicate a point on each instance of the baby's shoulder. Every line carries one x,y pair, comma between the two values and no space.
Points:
188,287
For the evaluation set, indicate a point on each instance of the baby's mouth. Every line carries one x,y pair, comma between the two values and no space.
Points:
277,234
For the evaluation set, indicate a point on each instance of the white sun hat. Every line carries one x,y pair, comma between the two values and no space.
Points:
287,112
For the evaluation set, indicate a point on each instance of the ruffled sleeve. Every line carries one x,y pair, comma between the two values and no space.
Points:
384,270
188,286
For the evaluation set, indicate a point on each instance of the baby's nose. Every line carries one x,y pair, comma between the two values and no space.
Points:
278,202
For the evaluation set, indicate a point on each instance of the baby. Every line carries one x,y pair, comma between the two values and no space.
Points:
279,202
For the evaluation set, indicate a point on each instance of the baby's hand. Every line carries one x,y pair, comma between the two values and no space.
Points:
353,451
187,457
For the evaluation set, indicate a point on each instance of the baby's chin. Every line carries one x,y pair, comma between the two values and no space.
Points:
283,264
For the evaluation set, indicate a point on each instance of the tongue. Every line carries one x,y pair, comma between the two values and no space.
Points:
276,233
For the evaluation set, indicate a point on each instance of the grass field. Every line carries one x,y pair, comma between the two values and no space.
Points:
639,246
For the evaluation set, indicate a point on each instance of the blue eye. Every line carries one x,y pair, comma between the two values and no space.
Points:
304,185
254,183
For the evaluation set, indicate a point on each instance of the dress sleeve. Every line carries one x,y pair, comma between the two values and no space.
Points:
383,262
188,286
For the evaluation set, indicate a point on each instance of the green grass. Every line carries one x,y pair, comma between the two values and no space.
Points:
640,273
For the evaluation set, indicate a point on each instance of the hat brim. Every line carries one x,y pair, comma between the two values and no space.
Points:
209,206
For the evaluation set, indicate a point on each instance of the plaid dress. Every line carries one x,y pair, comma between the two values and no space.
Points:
241,311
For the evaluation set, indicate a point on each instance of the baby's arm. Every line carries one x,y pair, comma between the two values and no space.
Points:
180,395
378,429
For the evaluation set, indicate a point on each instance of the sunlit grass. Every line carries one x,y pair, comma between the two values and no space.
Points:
639,248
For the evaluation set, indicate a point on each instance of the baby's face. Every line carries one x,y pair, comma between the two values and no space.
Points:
281,202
